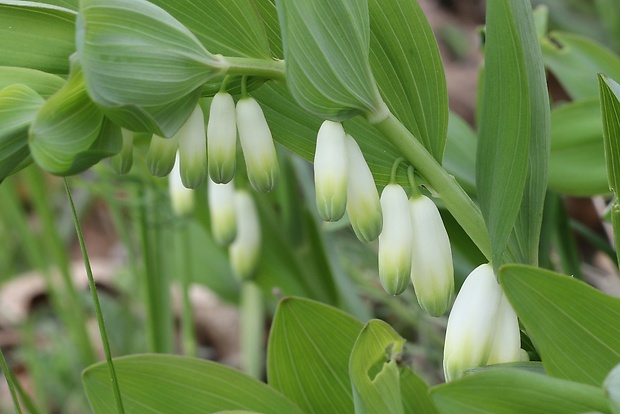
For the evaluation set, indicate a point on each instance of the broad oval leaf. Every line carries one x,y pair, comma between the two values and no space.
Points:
326,48
65,126
577,161
512,391
505,126
575,60
138,57
460,156
407,67
45,84
309,348
374,372
36,36
18,107
168,384
574,326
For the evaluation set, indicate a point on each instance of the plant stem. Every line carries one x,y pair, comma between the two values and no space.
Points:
252,328
10,381
95,298
187,314
456,200
265,68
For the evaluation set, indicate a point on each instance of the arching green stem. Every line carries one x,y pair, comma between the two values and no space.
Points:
415,191
264,68
464,210
394,169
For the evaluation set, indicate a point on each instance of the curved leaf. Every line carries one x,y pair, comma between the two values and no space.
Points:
65,126
511,391
168,384
407,67
18,107
505,123
577,161
326,51
373,369
137,58
575,60
45,84
574,326
309,348
460,156
36,36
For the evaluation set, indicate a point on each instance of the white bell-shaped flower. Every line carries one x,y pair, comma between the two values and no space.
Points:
222,138
161,156
223,212
181,197
482,327
363,204
331,170
395,240
245,249
193,149
432,271
257,144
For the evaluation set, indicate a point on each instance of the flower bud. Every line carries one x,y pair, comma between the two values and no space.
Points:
222,211
331,169
193,149
395,240
182,198
482,327
363,204
258,149
123,161
222,138
245,250
432,272
162,154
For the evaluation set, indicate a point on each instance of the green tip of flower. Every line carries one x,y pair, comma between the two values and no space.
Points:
221,173
265,179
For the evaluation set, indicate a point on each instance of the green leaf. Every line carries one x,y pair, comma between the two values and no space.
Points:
511,391
505,125
406,64
65,127
18,107
326,48
610,106
460,156
612,389
577,161
138,59
529,221
575,60
308,355
41,36
170,384
374,371
414,392
227,27
45,84
574,326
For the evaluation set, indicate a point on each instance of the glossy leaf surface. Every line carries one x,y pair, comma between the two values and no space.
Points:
168,384
574,326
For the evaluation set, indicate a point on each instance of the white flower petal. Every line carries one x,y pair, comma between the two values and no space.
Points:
245,250
222,138
160,158
363,204
193,149
331,170
395,240
182,198
432,271
257,143
222,211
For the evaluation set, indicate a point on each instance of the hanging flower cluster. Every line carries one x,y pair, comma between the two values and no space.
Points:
482,328
344,182
413,242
